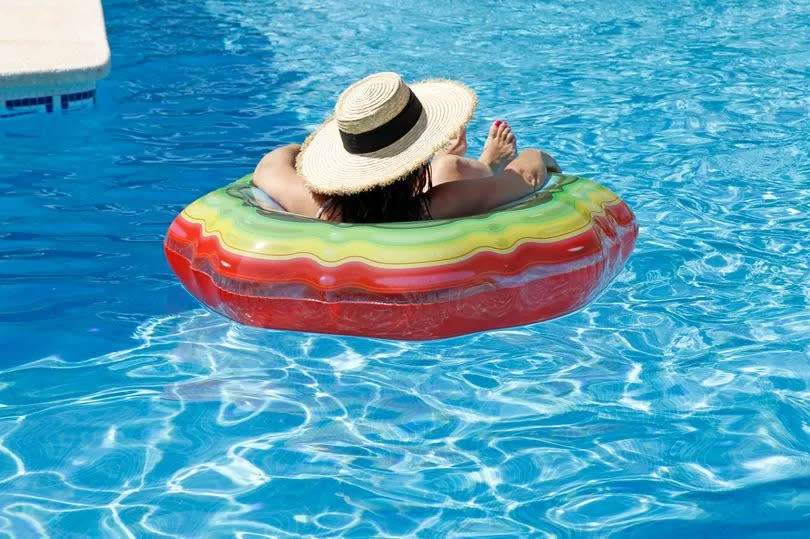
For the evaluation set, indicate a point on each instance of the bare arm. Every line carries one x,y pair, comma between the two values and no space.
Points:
276,175
460,199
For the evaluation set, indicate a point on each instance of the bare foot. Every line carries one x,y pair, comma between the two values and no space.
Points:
458,146
499,148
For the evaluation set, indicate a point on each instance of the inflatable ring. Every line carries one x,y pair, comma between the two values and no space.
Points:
535,259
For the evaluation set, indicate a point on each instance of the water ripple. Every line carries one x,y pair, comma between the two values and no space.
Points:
676,404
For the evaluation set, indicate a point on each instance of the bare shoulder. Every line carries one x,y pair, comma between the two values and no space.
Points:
479,195
279,160
276,169
276,175
459,198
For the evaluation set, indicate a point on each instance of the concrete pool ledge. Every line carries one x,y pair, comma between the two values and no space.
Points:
52,52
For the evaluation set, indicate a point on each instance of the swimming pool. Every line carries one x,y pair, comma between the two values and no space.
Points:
677,403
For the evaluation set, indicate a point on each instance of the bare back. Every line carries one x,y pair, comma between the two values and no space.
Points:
459,196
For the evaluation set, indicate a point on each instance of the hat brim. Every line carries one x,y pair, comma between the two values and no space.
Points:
327,168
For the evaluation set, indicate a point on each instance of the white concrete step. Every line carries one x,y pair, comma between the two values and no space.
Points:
52,52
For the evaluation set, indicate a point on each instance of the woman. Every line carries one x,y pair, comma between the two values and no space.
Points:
371,162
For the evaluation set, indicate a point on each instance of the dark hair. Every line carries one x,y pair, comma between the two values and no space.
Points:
403,200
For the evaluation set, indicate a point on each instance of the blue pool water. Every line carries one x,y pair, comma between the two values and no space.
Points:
677,404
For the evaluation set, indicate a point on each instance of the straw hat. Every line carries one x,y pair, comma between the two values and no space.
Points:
382,129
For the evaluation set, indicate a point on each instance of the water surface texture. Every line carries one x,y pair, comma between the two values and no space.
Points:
676,404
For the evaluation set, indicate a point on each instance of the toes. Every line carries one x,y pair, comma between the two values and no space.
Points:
506,133
501,132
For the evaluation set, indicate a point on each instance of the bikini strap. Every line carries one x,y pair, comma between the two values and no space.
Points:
325,206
